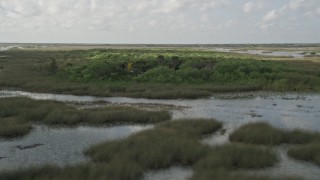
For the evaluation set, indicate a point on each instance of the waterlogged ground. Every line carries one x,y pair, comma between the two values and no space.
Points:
64,146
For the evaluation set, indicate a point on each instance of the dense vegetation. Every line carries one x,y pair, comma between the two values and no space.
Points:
172,66
152,73
17,114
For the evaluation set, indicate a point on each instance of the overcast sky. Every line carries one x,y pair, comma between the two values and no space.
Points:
160,21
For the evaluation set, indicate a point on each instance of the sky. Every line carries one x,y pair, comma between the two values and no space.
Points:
160,21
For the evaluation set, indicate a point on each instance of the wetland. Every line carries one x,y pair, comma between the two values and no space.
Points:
157,113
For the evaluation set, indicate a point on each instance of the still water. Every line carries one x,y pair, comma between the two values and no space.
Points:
64,146
61,146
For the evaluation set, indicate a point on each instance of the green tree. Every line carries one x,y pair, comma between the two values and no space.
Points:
53,68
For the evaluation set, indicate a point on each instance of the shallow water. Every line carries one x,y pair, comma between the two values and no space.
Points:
173,173
61,146
288,165
283,110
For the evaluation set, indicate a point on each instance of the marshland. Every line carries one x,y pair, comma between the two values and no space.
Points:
159,112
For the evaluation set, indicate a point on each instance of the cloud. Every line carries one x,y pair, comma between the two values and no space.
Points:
271,15
252,6
296,4
121,19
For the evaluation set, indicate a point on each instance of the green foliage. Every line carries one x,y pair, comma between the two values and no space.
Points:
53,68
97,72
182,66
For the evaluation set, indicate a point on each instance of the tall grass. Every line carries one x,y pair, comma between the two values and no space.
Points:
309,152
264,134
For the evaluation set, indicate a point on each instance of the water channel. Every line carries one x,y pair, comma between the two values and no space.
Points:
64,146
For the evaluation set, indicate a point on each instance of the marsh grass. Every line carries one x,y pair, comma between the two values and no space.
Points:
264,134
165,145
193,127
237,156
18,113
168,144
223,174
12,128
174,94
309,152
229,162
112,171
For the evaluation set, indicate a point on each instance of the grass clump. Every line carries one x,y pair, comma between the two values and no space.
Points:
298,136
17,113
309,152
105,116
237,156
193,127
111,171
14,131
222,174
13,128
228,161
168,144
258,133
264,134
